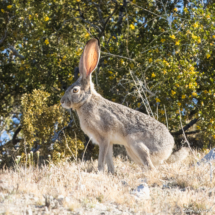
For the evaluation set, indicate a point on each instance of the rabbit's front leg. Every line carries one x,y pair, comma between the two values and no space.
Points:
103,151
109,159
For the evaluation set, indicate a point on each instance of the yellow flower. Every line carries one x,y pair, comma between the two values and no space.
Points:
208,55
150,60
29,16
2,10
214,136
164,72
64,57
158,100
78,0
179,104
114,37
46,19
105,62
208,16
192,68
87,35
185,10
198,127
213,36
172,36
177,85
153,75
138,105
195,25
131,65
177,111
177,43
194,93
162,111
9,6
173,92
122,61
110,72
70,78
188,32
46,42
165,62
205,91
199,40
194,37
132,26
175,9
183,96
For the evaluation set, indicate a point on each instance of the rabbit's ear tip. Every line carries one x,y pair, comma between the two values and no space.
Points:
91,55
94,40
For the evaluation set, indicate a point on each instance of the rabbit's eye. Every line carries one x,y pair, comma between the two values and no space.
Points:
75,90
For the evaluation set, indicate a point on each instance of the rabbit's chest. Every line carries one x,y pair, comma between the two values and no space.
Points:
89,129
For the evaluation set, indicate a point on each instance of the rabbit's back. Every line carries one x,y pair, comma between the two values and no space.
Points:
101,117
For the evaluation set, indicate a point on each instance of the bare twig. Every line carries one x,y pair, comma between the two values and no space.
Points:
69,148
166,117
185,136
119,56
85,150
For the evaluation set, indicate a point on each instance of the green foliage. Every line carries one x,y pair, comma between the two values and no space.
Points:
156,56
39,120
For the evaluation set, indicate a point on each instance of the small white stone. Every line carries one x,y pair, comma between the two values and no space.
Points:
141,192
60,197
67,199
36,199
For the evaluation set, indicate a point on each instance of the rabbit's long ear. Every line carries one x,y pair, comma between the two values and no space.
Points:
89,58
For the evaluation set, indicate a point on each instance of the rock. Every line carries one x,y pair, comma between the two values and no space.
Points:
210,157
142,192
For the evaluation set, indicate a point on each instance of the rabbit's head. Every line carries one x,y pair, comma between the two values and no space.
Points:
81,90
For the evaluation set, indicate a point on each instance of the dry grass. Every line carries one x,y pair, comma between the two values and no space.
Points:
175,189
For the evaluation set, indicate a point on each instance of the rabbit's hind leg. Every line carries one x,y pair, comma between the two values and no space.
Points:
140,149
133,156
109,159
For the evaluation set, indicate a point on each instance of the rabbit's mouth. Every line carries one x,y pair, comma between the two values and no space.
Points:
65,106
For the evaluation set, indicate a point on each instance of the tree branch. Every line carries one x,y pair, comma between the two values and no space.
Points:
15,52
14,140
4,37
186,127
106,21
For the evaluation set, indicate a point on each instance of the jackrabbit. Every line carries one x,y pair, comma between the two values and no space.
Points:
147,141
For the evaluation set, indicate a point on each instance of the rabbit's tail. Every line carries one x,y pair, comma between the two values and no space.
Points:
178,156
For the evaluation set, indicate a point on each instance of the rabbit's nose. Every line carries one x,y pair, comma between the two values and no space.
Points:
62,101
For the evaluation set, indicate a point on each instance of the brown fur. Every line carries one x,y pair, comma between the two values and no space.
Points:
147,141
